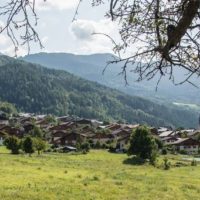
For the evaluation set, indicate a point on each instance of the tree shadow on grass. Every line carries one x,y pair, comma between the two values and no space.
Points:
134,161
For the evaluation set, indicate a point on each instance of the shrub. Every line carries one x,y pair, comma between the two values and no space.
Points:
159,143
199,151
85,147
112,147
12,143
153,158
28,145
95,178
183,152
167,164
142,144
194,162
78,146
180,164
40,145
37,132
84,151
164,151
98,145
91,143
173,150
104,146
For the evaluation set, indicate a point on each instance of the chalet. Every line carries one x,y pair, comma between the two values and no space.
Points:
4,122
28,126
18,132
3,116
113,127
63,126
26,118
70,139
86,129
40,117
169,139
130,126
96,123
121,133
154,131
56,136
102,138
2,137
194,134
163,129
189,145
83,121
123,142
166,134
26,115
65,119
43,123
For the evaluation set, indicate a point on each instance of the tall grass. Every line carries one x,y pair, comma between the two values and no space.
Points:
98,175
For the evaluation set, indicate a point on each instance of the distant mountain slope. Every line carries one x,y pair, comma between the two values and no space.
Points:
90,67
37,89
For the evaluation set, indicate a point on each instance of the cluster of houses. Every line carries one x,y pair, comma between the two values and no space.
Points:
68,131
186,140
62,131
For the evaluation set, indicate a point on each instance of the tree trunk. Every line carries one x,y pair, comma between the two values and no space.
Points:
188,16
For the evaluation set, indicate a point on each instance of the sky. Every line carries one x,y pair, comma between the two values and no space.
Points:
59,34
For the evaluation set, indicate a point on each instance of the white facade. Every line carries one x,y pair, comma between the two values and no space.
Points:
101,140
1,140
190,149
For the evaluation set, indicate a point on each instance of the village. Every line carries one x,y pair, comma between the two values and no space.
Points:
66,132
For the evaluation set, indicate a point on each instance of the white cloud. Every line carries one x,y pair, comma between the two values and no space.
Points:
83,29
88,42
10,51
56,4
44,40
3,40
2,24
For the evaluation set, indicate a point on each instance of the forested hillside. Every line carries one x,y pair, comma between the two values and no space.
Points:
37,89
90,67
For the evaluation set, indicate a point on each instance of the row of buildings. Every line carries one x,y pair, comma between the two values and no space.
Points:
67,130
185,140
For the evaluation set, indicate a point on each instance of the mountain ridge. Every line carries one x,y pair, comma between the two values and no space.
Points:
33,88
90,67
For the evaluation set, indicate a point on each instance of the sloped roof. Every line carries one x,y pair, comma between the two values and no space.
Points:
166,134
183,140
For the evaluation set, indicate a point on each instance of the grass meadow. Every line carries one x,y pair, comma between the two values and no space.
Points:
98,175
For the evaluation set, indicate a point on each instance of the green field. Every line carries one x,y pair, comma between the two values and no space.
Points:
97,175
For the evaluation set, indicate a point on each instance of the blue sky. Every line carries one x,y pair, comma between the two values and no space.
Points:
59,34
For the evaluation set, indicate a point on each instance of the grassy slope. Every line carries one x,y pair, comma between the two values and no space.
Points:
98,175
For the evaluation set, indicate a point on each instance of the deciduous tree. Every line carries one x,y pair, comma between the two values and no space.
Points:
40,145
28,145
164,34
142,144
12,143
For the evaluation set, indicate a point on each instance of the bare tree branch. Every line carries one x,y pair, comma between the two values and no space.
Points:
21,19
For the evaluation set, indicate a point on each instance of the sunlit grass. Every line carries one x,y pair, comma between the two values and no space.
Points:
98,175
